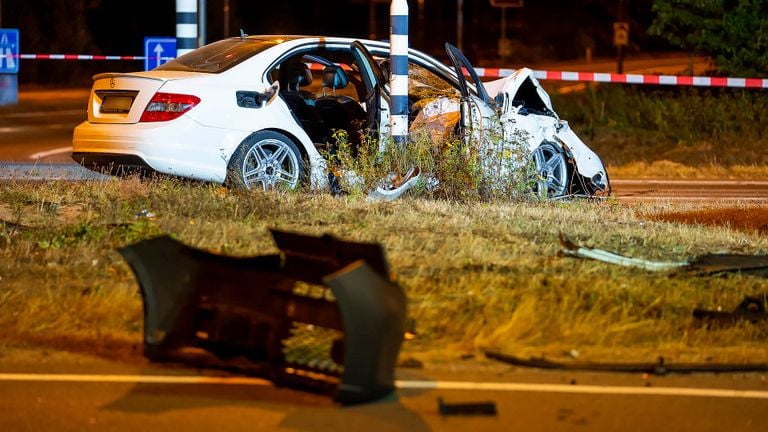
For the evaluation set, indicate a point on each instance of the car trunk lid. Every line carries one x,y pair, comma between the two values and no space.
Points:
123,97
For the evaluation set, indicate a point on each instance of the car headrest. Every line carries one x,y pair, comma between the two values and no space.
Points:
295,75
334,77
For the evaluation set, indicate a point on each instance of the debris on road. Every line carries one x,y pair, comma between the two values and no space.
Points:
467,408
660,367
323,314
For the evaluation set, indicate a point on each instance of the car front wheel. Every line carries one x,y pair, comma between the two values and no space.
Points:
266,160
550,176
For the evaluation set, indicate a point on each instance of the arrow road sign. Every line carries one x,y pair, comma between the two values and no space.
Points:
158,50
9,51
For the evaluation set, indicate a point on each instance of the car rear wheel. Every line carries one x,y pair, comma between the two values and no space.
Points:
550,171
266,160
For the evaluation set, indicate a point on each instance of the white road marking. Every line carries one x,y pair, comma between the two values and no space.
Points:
143,379
43,154
584,389
404,384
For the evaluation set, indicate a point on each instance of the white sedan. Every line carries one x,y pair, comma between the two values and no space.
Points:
258,111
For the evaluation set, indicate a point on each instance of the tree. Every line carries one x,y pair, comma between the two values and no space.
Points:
734,33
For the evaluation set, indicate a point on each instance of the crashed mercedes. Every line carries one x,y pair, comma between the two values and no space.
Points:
260,112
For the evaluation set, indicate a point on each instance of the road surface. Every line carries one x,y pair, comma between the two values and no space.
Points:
74,392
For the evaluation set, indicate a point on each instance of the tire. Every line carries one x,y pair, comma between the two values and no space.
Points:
551,171
266,160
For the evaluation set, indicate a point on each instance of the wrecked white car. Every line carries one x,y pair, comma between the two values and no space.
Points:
259,112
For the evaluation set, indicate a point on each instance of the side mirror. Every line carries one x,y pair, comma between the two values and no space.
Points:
255,100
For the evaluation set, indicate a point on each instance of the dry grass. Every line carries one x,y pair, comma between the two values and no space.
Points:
478,275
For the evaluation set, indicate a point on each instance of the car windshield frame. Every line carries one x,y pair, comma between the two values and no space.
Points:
219,56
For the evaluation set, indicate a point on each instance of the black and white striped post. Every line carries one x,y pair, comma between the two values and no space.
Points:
186,26
398,81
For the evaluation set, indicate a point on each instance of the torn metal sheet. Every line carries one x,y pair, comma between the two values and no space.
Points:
571,249
750,309
322,314
704,264
394,186
660,367
438,116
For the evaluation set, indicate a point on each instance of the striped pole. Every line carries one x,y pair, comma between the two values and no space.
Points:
398,80
186,26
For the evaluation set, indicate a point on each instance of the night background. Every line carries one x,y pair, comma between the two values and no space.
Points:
541,31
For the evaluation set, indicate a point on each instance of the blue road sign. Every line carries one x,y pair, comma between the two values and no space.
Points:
9,51
158,50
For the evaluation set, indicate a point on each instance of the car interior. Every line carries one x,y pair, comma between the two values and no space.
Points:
323,92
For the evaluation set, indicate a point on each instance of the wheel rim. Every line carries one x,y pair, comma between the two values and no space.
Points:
270,164
551,171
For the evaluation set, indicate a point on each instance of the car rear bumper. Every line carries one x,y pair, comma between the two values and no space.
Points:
113,163
181,147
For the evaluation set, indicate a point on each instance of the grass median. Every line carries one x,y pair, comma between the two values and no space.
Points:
478,274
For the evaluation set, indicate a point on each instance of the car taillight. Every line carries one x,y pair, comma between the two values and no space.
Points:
168,106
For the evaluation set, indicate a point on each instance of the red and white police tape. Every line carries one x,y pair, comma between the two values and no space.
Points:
599,77
78,57
674,80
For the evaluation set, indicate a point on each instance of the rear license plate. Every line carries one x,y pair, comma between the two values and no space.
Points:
113,104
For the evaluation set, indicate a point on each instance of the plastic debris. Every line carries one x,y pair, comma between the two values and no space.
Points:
466,408
660,367
323,314
145,214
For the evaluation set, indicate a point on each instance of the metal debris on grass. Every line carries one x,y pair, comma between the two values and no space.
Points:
704,264
750,309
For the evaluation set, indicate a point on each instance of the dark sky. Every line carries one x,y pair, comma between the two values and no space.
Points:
559,28
541,30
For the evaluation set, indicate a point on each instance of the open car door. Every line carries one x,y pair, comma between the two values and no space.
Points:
462,65
480,122
373,79
472,110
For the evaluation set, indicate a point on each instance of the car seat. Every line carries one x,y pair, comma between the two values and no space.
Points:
339,111
292,76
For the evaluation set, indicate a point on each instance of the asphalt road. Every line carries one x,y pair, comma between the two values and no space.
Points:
39,129
73,392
